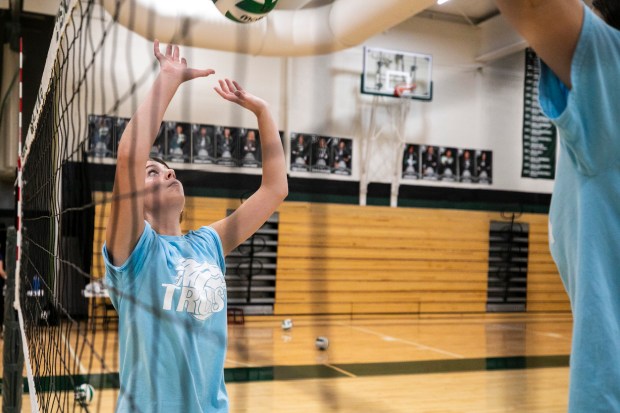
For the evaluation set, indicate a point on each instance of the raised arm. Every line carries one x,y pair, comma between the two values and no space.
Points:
249,217
126,221
551,27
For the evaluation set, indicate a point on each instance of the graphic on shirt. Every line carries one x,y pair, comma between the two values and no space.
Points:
199,289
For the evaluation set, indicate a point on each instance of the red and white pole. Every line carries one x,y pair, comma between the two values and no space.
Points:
34,404
20,182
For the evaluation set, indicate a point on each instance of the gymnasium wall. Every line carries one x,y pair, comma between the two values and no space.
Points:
474,106
336,257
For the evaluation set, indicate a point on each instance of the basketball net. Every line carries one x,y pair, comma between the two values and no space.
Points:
386,131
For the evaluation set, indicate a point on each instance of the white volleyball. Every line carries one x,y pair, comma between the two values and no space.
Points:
245,11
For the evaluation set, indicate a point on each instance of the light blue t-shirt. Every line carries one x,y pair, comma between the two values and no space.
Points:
584,220
170,295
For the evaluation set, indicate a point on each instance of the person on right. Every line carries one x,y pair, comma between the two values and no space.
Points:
580,53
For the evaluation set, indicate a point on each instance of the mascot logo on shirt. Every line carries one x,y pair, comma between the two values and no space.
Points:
199,289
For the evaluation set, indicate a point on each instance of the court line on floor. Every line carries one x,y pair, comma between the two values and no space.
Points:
74,355
413,343
327,371
537,333
240,363
339,370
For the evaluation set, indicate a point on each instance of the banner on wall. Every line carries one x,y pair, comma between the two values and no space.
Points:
321,154
203,144
182,142
300,152
100,134
429,162
411,162
178,142
467,169
539,133
447,164
484,167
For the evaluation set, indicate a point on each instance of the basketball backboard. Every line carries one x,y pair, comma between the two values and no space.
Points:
397,73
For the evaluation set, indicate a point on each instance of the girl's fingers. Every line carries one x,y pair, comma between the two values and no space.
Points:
193,73
207,72
220,92
229,90
237,85
156,50
169,50
224,86
176,53
231,87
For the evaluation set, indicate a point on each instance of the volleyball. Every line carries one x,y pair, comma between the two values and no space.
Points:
321,343
84,394
245,11
287,324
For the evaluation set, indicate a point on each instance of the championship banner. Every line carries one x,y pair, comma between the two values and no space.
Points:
539,133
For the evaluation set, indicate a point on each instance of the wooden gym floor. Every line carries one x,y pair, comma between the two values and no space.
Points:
439,364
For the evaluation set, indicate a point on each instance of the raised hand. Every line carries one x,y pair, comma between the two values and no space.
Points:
175,67
233,92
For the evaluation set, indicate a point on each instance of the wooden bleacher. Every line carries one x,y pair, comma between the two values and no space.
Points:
347,259
545,291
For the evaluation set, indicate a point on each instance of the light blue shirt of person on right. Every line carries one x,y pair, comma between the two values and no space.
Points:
584,220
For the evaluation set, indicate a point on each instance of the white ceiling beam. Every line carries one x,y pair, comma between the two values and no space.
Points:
310,31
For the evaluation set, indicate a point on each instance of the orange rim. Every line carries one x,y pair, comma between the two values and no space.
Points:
400,89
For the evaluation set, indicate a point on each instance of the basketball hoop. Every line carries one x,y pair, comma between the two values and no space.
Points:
404,89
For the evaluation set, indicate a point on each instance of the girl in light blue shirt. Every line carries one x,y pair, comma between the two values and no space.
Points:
168,287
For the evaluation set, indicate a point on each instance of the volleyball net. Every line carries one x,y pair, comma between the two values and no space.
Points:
64,350
68,328
62,303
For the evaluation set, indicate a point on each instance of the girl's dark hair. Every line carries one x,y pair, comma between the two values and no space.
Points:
161,161
610,10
